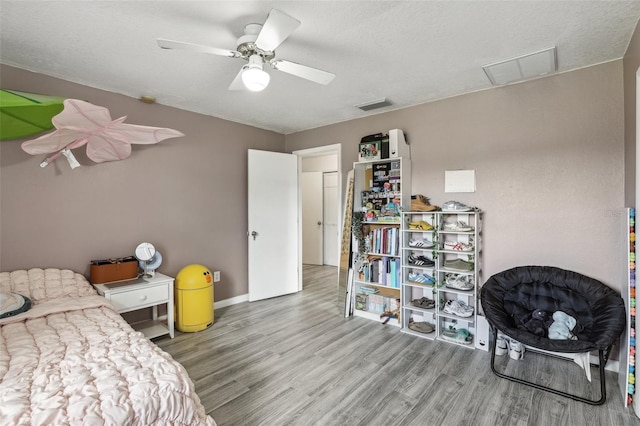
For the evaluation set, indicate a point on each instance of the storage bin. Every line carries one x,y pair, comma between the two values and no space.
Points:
194,298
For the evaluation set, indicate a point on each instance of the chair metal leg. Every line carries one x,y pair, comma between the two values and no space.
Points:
602,362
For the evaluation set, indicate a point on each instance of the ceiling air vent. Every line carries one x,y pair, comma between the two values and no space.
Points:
378,103
522,68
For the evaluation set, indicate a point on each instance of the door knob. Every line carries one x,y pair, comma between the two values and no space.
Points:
254,234
319,223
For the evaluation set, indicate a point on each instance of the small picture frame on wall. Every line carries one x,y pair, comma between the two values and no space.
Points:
369,151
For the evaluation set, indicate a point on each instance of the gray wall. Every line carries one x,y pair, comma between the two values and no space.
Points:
188,196
549,161
548,155
631,64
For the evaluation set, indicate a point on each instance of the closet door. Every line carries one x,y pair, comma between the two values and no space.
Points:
312,225
330,240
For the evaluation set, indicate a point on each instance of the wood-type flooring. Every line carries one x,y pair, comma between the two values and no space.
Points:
293,360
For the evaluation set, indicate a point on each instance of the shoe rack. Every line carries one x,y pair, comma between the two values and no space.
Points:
418,241
453,243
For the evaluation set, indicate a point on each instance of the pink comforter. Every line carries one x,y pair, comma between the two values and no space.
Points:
76,361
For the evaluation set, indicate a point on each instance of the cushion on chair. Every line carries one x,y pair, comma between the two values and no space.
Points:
509,297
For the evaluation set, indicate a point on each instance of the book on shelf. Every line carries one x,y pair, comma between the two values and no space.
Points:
383,240
381,270
379,303
394,270
361,301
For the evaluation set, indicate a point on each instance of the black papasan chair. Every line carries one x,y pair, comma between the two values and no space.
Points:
509,297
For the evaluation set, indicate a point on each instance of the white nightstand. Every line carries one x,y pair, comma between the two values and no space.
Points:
143,293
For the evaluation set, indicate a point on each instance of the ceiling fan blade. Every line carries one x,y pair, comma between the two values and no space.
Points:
275,30
237,83
172,44
303,71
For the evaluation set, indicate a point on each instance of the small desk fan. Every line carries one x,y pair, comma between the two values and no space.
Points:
149,258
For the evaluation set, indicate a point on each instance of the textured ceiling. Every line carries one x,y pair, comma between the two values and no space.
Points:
410,52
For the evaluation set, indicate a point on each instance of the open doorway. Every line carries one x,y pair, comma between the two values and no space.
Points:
320,195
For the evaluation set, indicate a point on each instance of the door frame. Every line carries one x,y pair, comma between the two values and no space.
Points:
315,152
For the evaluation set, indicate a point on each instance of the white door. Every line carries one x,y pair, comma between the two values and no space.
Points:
273,228
330,238
312,212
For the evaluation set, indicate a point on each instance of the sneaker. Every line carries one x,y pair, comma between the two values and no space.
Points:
420,203
461,336
454,206
421,244
420,261
458,265
458,226
424,279
516,350
420,225
458,308
502,346
458,282
457,246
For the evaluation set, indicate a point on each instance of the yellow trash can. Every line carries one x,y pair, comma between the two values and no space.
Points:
194,298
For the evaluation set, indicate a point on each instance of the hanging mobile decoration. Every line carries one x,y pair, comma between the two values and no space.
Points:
81,123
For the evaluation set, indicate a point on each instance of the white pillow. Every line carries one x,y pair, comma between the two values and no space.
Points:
13,303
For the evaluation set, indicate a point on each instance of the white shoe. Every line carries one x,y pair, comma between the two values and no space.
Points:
516,350
458,282
501,346
421,243
458,226
458,308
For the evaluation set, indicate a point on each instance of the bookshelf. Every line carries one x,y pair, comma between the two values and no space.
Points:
381,192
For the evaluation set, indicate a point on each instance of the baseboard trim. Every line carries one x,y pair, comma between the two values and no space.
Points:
231,301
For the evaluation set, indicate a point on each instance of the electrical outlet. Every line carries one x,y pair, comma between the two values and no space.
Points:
216,276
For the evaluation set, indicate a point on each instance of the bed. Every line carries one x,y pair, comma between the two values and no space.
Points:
71,359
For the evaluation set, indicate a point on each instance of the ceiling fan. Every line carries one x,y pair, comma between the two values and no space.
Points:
257,46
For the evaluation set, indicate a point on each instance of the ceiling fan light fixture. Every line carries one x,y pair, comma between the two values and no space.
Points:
253,76
255,79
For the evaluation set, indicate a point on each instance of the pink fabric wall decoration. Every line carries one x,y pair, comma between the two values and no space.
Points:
82,123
